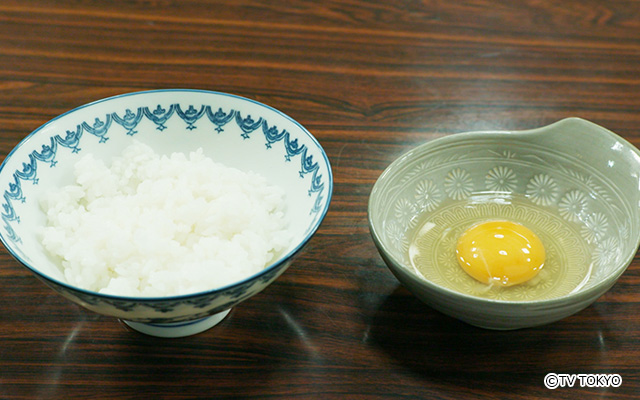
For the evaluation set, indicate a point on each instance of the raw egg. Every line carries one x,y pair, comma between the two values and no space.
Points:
500,253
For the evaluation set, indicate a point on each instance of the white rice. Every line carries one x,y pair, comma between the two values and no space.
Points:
153,225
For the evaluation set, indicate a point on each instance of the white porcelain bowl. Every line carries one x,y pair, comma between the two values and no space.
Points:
576,181
235,131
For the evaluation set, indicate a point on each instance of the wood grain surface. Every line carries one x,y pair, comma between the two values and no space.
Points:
370,79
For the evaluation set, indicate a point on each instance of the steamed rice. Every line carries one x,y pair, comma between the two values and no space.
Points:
151,225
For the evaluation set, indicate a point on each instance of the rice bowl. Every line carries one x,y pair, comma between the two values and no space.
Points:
236,132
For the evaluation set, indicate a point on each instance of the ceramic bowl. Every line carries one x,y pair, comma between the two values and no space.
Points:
575,182
235,131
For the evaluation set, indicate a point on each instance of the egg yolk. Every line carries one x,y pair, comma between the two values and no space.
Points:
500,252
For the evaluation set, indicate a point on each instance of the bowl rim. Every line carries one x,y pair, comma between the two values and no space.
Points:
283,259
401,160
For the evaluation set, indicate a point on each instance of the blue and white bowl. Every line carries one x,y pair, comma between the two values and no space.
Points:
235,131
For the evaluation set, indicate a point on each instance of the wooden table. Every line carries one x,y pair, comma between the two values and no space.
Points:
370,80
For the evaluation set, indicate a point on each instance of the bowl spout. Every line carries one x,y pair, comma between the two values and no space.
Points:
588,140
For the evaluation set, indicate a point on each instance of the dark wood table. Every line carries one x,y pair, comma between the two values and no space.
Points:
370,80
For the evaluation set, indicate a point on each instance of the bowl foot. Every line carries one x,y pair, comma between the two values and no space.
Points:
178,329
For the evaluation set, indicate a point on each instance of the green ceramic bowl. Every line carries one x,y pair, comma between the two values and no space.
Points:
574,183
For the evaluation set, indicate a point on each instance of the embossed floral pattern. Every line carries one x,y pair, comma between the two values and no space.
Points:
396,235
572,206
427,195
458,184
542,189
447,257
501,179
606,252
405,211
595,227
519,292
454,274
